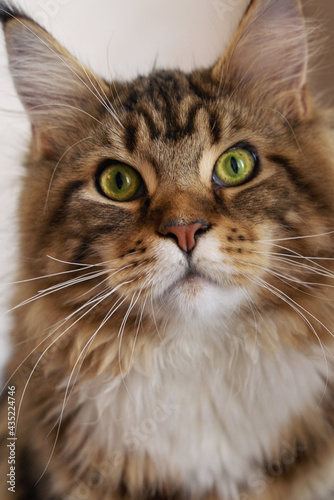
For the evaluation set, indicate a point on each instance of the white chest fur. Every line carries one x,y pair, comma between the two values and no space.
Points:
205,415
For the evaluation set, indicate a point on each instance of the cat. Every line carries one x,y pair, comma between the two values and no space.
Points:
174,307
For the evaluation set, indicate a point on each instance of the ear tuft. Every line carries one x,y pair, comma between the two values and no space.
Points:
9,12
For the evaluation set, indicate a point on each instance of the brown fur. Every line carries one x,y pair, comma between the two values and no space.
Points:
171,127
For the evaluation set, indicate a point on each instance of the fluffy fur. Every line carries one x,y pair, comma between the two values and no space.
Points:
144,371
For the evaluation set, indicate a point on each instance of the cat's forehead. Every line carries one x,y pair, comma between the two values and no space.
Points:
166,87
169,118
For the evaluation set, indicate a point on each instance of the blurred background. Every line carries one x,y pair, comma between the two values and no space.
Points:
119,39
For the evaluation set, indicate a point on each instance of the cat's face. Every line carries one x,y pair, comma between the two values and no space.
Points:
190,194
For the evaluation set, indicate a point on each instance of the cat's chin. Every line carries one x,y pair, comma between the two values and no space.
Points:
195,298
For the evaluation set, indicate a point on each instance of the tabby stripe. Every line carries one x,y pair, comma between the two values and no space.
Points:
58,216
83,251
299,455
215,127
86,241
103,215
249,197
294,177
168,91
190,125
131,138
221,204
95,231
175,132
289,228
154,130
200,91
131,101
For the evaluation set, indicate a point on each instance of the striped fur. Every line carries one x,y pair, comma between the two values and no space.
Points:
150,374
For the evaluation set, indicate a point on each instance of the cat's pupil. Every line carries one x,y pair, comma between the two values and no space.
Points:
234,165
119,180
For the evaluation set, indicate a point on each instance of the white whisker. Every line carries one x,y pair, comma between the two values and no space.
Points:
139,322
309,259
56,288
103,100
64,62
297,237
71,263
56,168
97,302
46,276
121,333
296,307
155,323
67,394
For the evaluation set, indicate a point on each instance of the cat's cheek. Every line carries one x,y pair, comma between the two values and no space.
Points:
170,267
212,261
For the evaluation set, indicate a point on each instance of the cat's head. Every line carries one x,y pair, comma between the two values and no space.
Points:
187,197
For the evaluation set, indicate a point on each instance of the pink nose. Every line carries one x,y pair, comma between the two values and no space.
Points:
185,234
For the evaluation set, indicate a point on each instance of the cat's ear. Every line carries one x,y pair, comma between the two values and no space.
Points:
61,96
268,57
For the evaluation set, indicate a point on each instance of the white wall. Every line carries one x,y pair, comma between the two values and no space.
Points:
117,38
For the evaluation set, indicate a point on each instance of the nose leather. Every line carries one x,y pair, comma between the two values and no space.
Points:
185,234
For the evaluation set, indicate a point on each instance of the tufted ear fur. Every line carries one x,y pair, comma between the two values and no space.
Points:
61,96
268,57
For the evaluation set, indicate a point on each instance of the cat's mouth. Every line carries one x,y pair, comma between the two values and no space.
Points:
196,296
193,276
190,282
194,279
188,287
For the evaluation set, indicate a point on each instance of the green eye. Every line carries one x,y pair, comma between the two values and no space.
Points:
235,167
120,182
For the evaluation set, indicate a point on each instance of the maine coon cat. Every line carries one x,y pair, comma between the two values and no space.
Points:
174,308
